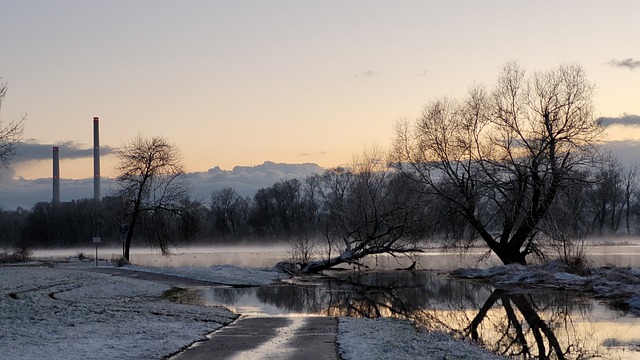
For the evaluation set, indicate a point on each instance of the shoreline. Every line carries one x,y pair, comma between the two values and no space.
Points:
62,310
71,312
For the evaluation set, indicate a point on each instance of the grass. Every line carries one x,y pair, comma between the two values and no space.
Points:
119,260
19,255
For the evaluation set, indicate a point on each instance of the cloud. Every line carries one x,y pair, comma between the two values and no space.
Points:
629,63
246,180
626,119
33,150
626,151
368,73
306,154
25,193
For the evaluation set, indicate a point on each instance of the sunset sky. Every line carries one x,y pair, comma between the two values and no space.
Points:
243,82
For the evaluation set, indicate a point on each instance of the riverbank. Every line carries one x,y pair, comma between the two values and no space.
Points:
619,287
68,313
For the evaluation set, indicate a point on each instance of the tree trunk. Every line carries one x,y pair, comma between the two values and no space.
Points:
132,226
509,255
314,267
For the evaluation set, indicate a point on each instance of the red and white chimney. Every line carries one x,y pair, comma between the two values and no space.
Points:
96,158
56,176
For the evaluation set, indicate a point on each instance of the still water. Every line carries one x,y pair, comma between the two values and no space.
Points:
521,325
537,324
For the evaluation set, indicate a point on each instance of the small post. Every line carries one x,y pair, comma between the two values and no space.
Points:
123,230
96,240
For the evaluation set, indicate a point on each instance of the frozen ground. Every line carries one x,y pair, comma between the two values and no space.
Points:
71,314
618,286
67,313
393,339
222,274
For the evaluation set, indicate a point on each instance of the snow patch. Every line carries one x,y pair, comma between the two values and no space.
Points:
71,314
394,339
618,285
221,274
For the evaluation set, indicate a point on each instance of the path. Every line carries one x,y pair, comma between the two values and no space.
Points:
170,280
249,338
309,338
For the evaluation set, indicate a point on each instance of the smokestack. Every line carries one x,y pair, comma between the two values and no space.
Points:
96,158
56,175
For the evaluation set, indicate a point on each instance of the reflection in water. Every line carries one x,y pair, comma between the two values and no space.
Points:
521,332
545,325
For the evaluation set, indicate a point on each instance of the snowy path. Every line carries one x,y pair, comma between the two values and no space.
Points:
312,338
50,313
171,280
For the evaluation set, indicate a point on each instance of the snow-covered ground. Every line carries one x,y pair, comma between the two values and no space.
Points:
394,339
620,286
67,313
222,274
52,313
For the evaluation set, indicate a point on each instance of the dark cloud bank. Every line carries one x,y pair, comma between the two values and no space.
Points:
32,150
627,120
629,63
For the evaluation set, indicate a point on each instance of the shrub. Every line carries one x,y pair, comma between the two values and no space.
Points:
119,260
20,254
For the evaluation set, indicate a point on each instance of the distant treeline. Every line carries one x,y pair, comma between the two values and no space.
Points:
319,205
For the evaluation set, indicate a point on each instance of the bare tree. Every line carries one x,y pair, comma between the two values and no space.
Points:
229,210
368,210
151,178
497,159
10,134
630,190
607,194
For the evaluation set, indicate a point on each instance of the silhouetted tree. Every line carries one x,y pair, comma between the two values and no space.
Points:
10,134
11,224
499,158
229,211
630,191
369,210
607,195
151,178
278,211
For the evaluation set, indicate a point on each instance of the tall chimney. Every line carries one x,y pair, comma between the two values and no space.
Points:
96,158
56,175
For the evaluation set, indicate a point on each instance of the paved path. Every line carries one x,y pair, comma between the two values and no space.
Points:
170,280
249,338
308,338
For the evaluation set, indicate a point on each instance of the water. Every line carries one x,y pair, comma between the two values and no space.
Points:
511,324
517,325
599,252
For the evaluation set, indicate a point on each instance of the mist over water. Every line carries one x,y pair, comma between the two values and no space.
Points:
600,252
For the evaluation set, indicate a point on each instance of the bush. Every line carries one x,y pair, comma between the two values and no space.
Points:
119,260
577,265
20,254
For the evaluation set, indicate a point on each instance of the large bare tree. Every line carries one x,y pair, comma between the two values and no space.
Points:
10,134
497,159
151,179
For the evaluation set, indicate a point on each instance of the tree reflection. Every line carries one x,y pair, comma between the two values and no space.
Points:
523,333
530,326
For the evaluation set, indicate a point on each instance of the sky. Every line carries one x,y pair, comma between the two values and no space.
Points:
244,82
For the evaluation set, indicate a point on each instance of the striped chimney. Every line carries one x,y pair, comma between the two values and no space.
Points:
56,175
96,158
